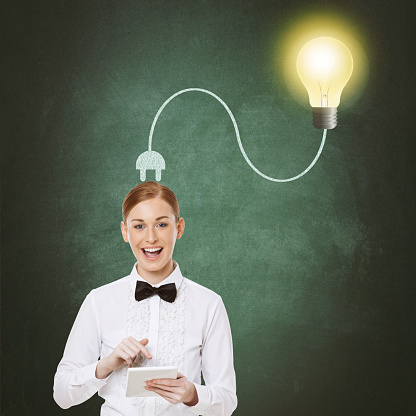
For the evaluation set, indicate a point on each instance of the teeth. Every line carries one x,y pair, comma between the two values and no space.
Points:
152,250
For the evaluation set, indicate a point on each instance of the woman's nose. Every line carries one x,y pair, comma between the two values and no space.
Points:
151,235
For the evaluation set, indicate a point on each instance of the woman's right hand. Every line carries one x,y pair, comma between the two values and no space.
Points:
126,353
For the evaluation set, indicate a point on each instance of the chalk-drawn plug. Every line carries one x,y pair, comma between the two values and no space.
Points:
150,160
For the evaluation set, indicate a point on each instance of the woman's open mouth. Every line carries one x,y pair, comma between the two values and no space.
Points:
152,254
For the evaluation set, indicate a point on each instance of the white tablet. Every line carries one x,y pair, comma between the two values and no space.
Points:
137,377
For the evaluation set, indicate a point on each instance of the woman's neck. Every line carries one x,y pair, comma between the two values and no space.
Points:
158,276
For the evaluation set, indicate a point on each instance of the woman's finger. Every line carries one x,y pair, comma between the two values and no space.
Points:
137,347
128,352
124,356
127,349
132,346
172,397
140,346
167,382
172,389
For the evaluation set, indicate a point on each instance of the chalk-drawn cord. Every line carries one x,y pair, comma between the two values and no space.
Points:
150,160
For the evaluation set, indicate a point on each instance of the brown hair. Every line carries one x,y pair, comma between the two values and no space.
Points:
148,190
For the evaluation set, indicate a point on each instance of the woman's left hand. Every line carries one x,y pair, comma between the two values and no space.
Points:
175,391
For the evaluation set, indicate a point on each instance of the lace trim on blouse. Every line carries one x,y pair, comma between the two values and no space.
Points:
170,347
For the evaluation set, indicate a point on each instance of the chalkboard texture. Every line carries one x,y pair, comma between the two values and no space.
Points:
317,275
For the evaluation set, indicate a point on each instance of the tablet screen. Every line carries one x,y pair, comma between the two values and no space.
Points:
137,377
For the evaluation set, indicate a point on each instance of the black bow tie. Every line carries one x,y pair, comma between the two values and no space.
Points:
166,292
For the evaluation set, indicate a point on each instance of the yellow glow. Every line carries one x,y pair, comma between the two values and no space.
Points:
324,65
290,38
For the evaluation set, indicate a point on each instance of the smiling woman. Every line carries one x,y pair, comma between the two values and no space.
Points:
151,318
151,226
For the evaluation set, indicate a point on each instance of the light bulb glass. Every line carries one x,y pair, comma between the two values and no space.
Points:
324,66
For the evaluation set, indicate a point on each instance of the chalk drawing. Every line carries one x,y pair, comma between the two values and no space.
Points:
152,160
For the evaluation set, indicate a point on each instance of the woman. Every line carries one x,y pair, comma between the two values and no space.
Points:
125,324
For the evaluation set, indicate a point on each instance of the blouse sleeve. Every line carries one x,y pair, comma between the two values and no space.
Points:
218,396
75,380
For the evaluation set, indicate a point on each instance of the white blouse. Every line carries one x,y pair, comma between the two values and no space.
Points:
192,333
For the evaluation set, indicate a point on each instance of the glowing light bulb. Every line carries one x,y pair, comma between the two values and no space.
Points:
324,66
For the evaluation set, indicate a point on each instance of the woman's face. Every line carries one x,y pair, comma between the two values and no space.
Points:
152,224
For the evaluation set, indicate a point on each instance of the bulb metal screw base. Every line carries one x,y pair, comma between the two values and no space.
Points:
324,117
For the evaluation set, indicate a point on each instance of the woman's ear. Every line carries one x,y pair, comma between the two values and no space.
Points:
124,231
181,228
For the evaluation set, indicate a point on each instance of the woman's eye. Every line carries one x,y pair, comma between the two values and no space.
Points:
140,226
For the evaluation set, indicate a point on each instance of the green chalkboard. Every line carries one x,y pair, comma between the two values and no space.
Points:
317,275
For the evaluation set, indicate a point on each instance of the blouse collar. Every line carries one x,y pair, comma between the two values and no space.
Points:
175,277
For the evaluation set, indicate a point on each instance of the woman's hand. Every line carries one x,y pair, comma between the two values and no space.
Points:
126,353
175,391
